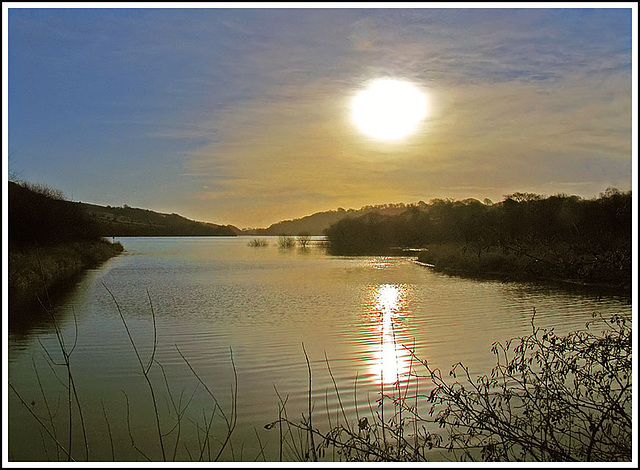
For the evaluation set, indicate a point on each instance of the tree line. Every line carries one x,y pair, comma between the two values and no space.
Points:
559,236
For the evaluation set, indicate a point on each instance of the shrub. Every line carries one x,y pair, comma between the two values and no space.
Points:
258,242
303,240
549,398
286,241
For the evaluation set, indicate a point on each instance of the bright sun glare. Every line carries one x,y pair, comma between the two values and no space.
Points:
389,109
391,364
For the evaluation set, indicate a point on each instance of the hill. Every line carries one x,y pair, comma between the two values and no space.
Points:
40,216
316,224
51,242
128,221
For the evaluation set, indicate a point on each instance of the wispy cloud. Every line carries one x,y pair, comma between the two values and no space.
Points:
506,119
249,109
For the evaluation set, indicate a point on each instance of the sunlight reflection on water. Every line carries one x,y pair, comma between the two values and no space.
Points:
391,361
216,296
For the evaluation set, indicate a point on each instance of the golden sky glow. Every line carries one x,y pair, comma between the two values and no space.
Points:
246,117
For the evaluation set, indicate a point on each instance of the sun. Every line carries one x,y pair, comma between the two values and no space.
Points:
389,109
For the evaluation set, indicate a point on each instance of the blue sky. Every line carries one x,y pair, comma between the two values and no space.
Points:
242,116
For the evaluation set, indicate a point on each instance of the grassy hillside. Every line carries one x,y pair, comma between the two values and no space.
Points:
132,222
51,241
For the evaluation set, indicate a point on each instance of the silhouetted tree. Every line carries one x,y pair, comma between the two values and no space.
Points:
558,236
303,240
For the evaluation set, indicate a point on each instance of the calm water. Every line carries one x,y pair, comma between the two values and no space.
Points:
223,305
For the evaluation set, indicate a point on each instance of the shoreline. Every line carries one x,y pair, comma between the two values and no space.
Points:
37,273
453,261
505,278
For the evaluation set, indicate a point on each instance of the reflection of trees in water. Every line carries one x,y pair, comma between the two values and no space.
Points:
38,316
50,306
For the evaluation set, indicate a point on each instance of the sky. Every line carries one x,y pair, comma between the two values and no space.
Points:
243,115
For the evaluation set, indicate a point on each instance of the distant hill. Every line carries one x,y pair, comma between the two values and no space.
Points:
315,224
128,221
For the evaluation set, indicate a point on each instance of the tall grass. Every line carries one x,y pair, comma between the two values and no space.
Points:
37,271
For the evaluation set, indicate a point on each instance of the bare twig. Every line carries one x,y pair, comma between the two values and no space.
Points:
313,446
145,371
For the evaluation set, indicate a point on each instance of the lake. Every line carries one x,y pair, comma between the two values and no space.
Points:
239,323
